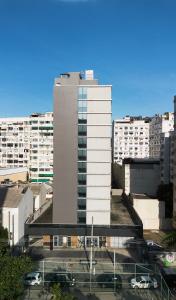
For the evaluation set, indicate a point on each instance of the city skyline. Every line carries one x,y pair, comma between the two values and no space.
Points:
129,45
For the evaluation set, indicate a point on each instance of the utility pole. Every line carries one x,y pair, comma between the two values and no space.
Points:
91,254
91,247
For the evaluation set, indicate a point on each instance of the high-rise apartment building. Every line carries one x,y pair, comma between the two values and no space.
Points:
130,138
41,147
85,211
160,144
28,142
82,150
159,126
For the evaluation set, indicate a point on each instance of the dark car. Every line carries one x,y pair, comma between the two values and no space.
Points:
152,246
109,280
65,280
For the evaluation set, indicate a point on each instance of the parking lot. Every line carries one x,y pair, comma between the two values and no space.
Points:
87,282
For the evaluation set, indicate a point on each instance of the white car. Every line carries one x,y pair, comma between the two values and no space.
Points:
144,282
33,278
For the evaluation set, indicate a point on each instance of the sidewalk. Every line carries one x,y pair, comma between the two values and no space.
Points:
121,255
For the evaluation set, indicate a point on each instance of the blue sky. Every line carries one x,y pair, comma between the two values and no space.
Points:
130,44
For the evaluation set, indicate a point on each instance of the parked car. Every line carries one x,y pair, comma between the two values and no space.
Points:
64,279
152,246
169,275
108,280
144,282
33,278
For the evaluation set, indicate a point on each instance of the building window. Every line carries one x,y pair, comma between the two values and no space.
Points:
82,93
82,118
81,204
82,130
68,241
82,167
81,191
82,179
81,217
82,154
57,241
82,106
82,142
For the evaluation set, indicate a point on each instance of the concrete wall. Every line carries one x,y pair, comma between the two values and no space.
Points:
144,178
151,213
25,209
14,218
118,172
65,153
14,176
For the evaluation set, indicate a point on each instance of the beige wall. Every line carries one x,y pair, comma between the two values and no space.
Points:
14,177
151,213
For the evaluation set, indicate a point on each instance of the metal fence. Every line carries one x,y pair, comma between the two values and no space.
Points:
99,276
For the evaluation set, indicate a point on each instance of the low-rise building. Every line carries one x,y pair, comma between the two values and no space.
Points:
16,204
41,193
141,176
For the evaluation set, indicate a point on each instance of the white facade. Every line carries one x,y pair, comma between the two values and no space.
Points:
167,157
130,139
160,126
98,154
28,142
141,176
14,218
151,212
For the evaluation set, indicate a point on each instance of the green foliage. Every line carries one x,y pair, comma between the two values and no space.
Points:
3,240
170,239
56,291
12,270
59,295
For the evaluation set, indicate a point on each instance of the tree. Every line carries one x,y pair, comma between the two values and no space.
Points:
170,239
59,295
12,270
3,240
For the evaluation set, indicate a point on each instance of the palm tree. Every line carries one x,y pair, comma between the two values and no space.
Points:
170,239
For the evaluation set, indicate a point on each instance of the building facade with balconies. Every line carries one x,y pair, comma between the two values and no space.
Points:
28,142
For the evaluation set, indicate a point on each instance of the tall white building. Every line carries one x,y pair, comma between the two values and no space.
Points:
28,142
82,150
161,144
160,125
41,147
130,138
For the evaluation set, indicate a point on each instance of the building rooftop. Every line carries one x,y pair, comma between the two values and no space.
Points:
10,196
36,187
46,217
8,171
141,161
119,212
143,196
